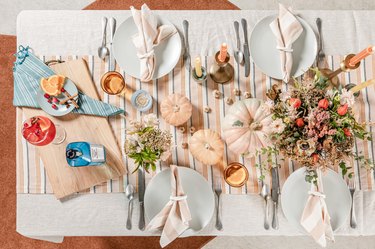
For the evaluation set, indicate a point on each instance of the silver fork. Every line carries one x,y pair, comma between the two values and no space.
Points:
218,191
321,55
353,220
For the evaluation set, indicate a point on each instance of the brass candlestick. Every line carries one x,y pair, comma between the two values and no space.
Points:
344,67
221,72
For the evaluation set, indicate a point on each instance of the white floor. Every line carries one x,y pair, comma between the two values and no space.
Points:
9,10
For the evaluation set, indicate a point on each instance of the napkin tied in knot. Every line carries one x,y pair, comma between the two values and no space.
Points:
178,198
175,216
284,49
315,217
316,193
148,37
286,29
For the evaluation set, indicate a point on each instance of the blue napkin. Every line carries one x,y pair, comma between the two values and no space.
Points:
27,72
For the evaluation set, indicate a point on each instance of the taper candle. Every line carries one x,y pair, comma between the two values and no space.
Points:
198,67
361,55
223,52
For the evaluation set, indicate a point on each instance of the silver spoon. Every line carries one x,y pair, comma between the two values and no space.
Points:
238,55
103,51
265,193
129,192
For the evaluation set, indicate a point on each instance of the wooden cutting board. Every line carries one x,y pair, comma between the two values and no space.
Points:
64,179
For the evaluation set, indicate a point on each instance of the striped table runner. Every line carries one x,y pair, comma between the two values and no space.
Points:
31,176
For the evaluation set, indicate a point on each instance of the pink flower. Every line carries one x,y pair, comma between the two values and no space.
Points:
300,122
295,102
332,132
347,132
342,110
323,103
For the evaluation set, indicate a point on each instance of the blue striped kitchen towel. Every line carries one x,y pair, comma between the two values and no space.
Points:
27,72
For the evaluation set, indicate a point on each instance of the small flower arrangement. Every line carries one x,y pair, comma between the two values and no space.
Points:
314,126
146,143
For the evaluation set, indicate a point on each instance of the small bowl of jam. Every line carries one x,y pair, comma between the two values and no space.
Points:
112,83
236,174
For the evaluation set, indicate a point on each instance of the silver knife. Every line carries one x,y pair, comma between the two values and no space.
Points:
246,50
112,27
141,194
186,56
275,191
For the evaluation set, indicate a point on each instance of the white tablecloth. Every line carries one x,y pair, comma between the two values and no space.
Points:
79,33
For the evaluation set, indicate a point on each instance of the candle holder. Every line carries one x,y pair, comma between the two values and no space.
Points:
350,86
203,76
344,67
221,72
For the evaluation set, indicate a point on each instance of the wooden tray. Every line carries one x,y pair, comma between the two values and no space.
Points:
64,179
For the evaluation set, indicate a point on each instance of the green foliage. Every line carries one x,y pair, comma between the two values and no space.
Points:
344,170
366,163
320,80
145,158
311,176
267,163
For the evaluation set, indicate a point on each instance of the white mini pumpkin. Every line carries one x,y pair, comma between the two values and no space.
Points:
207,147
245,127
176,109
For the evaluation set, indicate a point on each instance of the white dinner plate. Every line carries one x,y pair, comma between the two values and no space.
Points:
295,192
200,197
167,53
267,57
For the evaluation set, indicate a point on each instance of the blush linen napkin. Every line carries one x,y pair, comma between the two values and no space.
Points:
286,29
315,218
175,216
148,37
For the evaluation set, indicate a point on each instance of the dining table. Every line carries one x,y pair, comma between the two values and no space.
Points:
102,210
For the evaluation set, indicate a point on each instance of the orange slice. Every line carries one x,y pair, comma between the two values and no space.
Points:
52,85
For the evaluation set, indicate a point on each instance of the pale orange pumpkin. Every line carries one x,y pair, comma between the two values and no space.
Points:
246,126
176,109
206,146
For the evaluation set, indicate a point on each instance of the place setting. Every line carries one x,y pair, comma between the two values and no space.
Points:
172,133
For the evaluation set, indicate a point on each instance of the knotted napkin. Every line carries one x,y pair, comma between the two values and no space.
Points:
27,72
287,29
175,216
315,218
148,37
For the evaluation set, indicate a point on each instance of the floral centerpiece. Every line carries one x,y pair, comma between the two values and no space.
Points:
314,126
146,143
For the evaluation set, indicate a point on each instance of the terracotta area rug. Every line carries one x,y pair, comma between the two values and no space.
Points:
9,238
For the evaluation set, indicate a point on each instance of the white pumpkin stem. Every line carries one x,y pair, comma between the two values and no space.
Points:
207,146
256,126
176,108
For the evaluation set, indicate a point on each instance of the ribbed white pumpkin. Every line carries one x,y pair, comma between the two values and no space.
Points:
176,109
206,146
245,127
